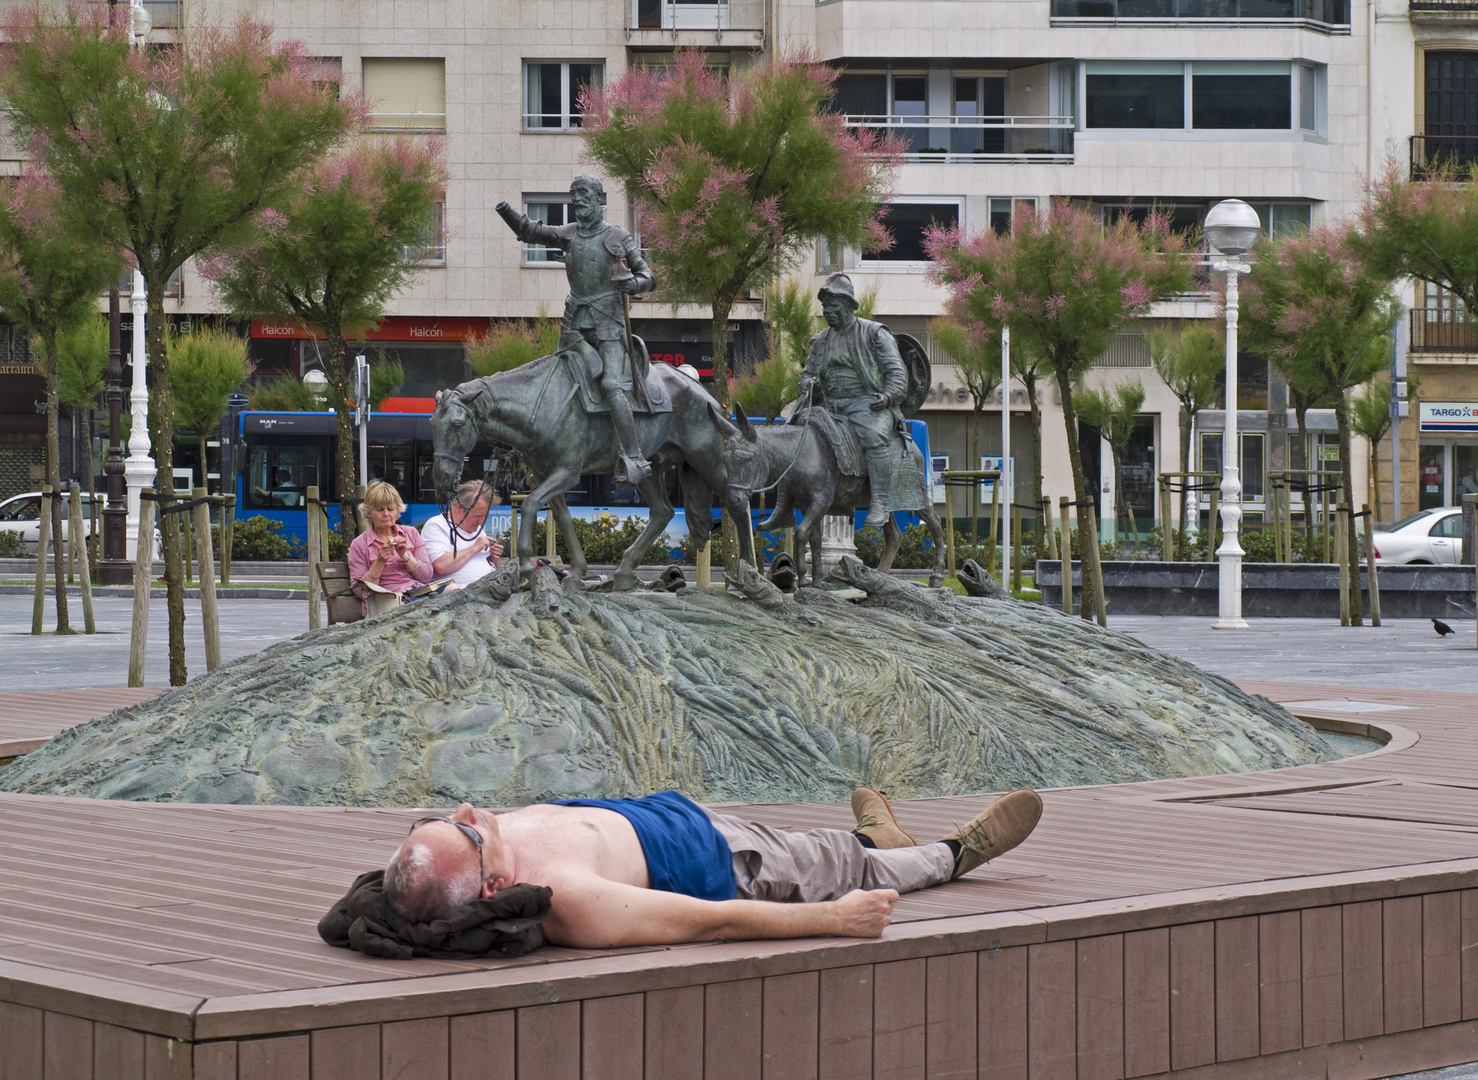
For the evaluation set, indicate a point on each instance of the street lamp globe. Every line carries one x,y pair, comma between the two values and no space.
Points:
316,381
1232,227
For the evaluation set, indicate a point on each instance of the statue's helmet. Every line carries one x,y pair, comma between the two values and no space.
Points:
590,182
839,285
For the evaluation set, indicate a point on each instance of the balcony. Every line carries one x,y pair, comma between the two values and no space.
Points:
1429,152
1442,330
714,15
1327,14
1441,11
1023,140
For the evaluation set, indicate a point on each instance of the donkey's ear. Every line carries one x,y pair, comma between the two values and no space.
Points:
745,427
438,398
470,395
720,421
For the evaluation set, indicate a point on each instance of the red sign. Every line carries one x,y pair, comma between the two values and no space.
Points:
394,328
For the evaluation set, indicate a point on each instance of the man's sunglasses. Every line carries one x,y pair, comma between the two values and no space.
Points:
466,830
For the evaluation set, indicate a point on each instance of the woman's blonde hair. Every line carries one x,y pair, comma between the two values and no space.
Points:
378,496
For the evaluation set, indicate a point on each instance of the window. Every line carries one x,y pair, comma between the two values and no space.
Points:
1283,219
174,288
1309,78
1326,12
892,99
1184,217
279,474
1240,96
547,210
1004,213
979,96
434,253
552,92
861,94
1136,95
406,94
907,222
1450,526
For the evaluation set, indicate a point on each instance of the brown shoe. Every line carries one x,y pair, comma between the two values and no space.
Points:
875,820
1005,823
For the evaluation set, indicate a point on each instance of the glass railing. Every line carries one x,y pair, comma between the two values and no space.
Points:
1330,12
977,138
720,15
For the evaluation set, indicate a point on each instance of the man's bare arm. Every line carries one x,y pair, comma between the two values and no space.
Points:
593,913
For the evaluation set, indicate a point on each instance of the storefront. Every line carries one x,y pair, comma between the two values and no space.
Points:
1447,456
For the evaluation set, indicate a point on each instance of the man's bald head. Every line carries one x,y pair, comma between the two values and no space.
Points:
435,870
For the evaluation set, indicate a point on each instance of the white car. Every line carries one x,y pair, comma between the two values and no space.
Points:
22,514
1432,536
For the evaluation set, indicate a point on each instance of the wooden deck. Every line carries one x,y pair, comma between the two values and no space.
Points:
29,717
1313,922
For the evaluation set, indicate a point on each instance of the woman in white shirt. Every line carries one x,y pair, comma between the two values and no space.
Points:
457,547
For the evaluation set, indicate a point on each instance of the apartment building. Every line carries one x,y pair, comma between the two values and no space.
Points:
1004,105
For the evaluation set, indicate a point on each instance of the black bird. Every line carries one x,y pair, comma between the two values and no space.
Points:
1442,628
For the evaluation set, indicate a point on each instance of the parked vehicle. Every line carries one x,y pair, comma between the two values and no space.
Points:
22,514
1431,536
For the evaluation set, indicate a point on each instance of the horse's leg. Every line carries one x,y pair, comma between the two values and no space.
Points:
892,537
936,533
654,488
559,512
810,530
553,486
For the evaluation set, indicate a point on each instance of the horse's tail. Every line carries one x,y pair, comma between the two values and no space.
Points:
697,506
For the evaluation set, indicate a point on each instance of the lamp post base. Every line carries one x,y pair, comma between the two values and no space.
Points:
1230,624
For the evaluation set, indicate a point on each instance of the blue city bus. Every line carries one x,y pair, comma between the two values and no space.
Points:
285,453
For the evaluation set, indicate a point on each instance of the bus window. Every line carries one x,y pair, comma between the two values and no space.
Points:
279,476
393,462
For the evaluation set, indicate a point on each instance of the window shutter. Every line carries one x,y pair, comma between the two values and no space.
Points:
406,94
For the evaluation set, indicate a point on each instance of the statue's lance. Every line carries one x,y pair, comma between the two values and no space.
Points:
638,373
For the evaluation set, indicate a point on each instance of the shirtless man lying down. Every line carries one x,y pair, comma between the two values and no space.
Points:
660,870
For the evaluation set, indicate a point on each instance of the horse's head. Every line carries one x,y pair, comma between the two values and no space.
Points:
744,455
453,434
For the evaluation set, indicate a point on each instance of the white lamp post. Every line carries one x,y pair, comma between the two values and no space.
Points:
139,469
1231,228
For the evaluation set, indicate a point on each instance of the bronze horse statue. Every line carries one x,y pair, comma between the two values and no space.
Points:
797,460
534,409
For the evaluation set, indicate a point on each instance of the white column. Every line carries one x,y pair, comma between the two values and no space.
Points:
837,539
138,468
1229,555
1008,475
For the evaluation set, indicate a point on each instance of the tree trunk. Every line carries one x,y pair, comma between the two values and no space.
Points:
1185,467
1034,407
1087,533
161,406
1352,549
340,383
720,388
1374,483
54,479
1301,414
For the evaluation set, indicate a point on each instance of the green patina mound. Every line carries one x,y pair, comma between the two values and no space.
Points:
507,699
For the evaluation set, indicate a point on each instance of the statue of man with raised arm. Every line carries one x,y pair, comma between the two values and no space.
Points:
603,265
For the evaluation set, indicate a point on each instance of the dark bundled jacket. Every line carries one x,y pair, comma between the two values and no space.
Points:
506,924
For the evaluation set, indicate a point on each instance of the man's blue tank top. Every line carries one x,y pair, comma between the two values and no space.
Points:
685,853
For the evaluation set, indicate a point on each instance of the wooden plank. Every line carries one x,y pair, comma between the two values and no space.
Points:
548,1041
287,1057
169,1059
1321,949
1470,953
791,1026
217,1061
1192,995
22,1036
674,1034
1442,946
1280,989
611,1038
731,1030
118,1053
898,1019
482,1046
951,1011
1401,966
416,1049
1100,1008
345,1053
1051,1010
1364,982
1146,1002
1002,1045
66,1047
844,1023
1236,989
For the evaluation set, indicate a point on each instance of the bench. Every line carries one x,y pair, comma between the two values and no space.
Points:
343,605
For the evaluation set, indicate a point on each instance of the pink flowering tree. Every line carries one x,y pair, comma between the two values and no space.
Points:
1324,318
350,233
1065,285
734,179
165,154
49,283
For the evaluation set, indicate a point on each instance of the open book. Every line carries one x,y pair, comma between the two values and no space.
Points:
379,599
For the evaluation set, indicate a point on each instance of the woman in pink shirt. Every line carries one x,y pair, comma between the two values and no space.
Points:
391,555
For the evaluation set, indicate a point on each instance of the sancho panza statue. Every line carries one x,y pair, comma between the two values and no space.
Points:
856,365
603,264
